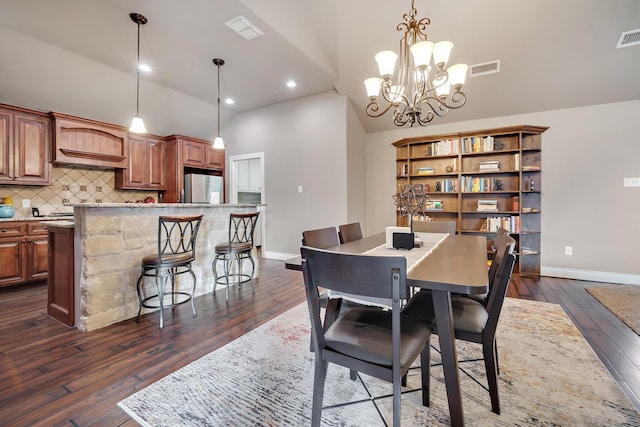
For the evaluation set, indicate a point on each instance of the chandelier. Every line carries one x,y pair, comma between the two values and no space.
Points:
420,90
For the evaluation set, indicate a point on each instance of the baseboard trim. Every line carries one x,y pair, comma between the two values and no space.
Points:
591,276
279,255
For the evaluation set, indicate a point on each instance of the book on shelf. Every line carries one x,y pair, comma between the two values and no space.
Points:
425,170
515,203
516,161
489,166
487,206
509,223
433,205
529,168
442,148
404,171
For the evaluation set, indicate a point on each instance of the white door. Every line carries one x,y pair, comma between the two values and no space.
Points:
246,185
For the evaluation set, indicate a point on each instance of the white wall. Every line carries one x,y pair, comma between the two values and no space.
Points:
356,170
44,77
304,144
586,154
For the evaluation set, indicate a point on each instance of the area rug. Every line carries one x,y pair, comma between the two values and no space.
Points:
621,300
549,377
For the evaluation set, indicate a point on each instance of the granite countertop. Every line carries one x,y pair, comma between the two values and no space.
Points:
38,218
61,224
161,205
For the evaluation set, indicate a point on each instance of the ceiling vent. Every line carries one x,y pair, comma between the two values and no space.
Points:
491,67
244,27
629,38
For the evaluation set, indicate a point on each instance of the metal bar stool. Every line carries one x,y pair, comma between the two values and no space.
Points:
236,250
176,252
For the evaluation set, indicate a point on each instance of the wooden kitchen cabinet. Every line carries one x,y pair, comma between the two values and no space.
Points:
201,154
25,141
146,168
23,252
193,154
60,301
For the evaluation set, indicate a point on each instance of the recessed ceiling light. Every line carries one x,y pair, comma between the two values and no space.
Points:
144,67
229,101
291,84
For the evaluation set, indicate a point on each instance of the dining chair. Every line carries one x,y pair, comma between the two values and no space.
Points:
473,321
176,252
235,250
434,227
349,232
321,238
380,343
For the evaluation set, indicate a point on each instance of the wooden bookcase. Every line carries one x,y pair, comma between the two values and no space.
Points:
484,179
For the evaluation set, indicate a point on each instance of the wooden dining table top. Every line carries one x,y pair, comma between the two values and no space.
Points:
457,264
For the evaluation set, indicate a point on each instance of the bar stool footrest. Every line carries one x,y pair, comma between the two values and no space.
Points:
168,295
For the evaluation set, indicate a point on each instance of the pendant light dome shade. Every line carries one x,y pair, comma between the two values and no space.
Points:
218,143
137,125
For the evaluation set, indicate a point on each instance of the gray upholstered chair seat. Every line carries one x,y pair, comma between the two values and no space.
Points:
468,315
364,333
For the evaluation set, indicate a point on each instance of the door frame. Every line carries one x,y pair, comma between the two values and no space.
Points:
233,189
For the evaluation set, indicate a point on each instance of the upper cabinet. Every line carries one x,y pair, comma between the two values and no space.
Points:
249,175
200,154
193,154
25,141
89,142
146,164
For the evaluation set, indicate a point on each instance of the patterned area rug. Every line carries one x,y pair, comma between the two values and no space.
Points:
549,377
621,300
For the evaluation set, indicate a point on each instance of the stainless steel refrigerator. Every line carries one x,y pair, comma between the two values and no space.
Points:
203,189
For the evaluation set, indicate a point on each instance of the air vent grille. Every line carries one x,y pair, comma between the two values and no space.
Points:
244,27
485,68
629,38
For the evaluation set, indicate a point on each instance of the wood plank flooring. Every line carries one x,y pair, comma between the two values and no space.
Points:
53,375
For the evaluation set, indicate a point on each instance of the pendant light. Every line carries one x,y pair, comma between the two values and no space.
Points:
137,125
218,143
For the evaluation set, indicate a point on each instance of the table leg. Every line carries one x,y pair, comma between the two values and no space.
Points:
446,336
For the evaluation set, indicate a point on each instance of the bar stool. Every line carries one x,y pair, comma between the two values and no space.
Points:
176,252
236,250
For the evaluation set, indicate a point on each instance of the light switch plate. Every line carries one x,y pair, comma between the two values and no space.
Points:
632,182
26,203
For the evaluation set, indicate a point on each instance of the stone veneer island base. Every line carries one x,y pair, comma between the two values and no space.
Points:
110,241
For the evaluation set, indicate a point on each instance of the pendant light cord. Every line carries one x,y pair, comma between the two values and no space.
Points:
138,74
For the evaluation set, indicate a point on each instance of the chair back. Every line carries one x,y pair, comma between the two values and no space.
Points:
321,238
177,238
503,245
498,291
242,227
361,275
434,227
349,232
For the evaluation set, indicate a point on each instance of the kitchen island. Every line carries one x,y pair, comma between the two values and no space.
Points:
110,240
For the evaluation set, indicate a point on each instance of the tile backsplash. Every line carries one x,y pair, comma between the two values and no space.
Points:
71,184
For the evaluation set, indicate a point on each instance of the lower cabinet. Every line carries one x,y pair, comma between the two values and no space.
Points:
60,303
23,252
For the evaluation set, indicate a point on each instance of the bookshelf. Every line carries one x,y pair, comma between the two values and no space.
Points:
482,180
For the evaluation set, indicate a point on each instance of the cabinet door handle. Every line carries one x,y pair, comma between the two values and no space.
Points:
4,230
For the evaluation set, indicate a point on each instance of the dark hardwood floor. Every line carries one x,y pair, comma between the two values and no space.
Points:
53,375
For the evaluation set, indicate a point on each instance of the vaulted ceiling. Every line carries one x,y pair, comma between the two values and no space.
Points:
553,54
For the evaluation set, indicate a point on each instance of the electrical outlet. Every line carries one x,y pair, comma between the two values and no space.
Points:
299,188
568,250
26,203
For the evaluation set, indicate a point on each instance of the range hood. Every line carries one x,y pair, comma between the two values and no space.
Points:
81,141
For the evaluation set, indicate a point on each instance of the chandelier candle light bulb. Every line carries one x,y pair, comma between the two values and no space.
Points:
418,91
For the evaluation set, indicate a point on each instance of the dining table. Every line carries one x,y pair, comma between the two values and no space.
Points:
455,264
